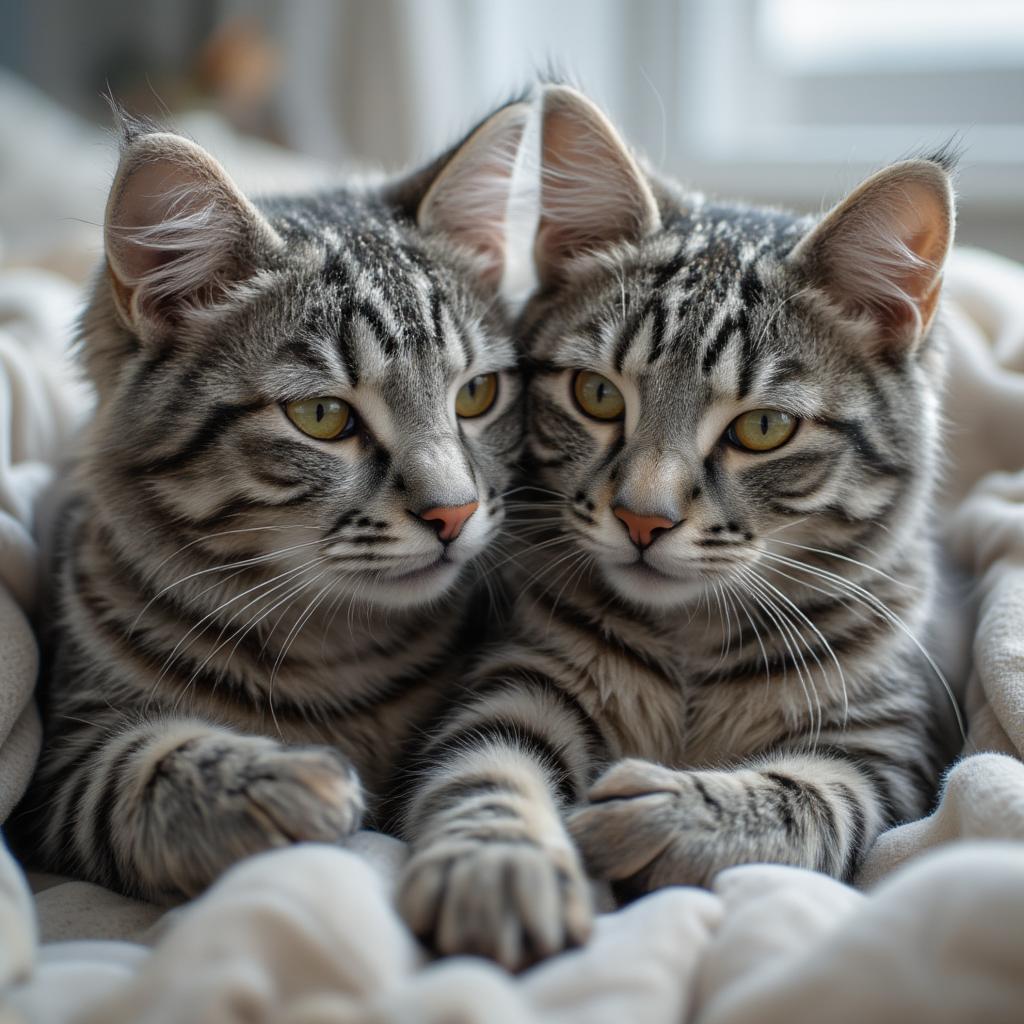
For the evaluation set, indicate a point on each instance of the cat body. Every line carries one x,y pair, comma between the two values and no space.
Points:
307,417
733,434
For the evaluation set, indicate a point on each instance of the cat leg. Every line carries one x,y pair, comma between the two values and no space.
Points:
648,826
493,870
161,809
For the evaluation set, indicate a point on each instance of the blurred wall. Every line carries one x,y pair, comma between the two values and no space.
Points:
786,101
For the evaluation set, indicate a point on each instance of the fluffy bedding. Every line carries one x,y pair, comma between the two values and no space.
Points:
933,930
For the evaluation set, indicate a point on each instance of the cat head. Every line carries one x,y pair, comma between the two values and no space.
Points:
707,377
323,384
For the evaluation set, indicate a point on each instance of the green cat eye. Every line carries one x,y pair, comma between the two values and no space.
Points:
326,419
597,396
762,430
475,397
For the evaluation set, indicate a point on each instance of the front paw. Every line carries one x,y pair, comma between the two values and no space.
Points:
217,799
515,902
648,826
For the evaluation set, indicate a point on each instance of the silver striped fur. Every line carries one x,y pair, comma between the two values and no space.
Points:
749,687
248,623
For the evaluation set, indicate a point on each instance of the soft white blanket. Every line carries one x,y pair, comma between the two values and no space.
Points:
934,931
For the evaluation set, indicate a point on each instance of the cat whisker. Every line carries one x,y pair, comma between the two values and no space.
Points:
550,567
727,616
220,643
241,564
541,546
799,612
873,603
714,589
576,569
228,533
533,489
753,626
730,597
293,635
793,640
178,650
786,526
244,631
851,561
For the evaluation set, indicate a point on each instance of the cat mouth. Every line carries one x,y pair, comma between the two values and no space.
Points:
641,583
425,572
647,571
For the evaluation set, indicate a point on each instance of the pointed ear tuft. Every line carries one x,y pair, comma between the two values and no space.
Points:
469,199
177,229
593,193
882,250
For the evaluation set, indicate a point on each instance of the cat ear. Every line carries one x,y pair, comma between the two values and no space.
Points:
468,200
881,251
177,230
593,193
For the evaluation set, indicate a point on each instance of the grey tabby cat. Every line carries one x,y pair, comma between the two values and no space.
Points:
733,423
307,418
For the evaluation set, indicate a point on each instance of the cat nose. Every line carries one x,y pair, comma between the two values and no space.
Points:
448,520
643,530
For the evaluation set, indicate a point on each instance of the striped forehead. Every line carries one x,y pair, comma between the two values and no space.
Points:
701,318
688,309
378,322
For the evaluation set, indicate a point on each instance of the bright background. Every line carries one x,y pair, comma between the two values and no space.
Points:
785,101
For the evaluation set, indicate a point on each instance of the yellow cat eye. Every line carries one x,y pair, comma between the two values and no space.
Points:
477,396
762,430
597,396
326,419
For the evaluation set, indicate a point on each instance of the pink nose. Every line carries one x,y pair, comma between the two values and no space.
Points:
642,529
450,519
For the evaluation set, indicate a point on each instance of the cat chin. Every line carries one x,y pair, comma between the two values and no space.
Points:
412,589
648,588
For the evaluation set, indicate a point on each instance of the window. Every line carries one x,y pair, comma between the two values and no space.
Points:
795,101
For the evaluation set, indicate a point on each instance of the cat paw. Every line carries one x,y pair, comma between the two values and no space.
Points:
306,794
513,902
646,824
215,800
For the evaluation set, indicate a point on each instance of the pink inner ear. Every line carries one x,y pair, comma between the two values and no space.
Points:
469,200
479,222
928,246
593,194
144,202
175,225
882,250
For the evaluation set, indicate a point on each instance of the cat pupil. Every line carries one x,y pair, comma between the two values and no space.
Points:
319,412
764,425
600,394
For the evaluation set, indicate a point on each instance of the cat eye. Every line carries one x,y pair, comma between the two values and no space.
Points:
476,396
597,396
762,430
326,419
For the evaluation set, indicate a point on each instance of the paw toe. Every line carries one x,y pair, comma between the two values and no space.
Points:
515,904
